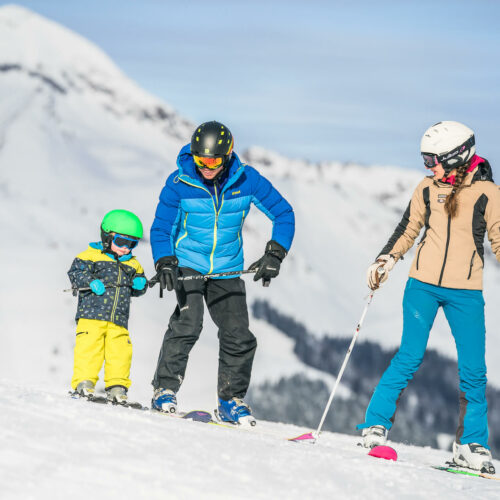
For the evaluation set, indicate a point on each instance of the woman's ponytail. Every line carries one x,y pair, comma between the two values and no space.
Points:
451,204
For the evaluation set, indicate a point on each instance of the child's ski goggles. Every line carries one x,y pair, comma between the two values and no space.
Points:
210,163
122,241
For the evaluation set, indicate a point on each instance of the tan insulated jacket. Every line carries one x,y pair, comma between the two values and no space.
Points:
450,253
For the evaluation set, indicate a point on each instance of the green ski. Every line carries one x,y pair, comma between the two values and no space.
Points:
465,472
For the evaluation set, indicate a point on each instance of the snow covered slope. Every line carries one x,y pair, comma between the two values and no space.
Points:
78,138
55,447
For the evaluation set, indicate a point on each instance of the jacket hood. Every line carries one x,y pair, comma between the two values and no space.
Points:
483,172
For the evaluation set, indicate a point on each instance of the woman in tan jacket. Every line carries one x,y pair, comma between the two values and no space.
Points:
456,205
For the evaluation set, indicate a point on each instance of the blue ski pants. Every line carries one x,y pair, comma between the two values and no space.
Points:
464,311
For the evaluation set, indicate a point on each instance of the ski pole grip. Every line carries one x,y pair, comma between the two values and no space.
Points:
266,283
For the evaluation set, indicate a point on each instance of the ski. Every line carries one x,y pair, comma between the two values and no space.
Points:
308,437
454,469
102,400
195,415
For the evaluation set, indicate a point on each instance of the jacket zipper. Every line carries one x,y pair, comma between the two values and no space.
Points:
217,212
446,250
471,264
419,250
117,293
216,202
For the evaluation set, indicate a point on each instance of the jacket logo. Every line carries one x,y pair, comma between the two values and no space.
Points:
235,192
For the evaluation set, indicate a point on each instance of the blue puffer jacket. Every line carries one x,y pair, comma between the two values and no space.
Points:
200,223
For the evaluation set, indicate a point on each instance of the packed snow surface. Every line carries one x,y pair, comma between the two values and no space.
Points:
55,447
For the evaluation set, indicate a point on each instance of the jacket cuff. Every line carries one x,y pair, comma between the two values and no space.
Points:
274,248
166,261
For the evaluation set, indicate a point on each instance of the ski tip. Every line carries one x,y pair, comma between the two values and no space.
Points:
308,437
385,452
198,416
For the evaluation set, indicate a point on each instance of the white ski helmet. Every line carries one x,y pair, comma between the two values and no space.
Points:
450,143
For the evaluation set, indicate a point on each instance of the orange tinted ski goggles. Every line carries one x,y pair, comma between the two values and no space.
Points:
211,163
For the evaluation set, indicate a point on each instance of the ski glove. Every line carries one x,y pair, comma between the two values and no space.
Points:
139,283
378,272
167,272
268,266
97,286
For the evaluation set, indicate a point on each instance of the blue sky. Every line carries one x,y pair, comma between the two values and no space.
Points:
324,80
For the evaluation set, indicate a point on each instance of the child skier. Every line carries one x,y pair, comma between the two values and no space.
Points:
112,275
457,205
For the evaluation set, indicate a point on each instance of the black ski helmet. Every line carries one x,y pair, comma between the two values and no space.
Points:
212,140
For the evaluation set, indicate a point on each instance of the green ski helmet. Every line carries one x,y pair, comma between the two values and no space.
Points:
121,222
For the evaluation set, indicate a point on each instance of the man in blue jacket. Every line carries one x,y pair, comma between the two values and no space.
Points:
197,230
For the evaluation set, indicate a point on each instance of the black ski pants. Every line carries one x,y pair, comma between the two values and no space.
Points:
226,302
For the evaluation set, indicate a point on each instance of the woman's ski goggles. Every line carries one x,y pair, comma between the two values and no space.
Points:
122,241
430,160
211,163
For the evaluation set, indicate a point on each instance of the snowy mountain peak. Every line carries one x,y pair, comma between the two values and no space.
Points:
37,43
42,57
84,118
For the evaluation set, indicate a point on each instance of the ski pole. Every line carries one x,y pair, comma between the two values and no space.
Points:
216,275
381,271
152,282
87,288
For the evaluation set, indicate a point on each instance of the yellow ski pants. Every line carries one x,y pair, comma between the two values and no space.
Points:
98,341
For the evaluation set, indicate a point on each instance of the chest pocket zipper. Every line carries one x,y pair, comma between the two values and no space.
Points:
185,231
241,226
419,250
471,264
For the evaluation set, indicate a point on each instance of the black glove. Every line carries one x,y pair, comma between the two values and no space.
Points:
268,266
167,272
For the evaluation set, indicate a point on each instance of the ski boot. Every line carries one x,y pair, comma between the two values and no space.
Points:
473,456
376,435
235,411
117,394
85,389
164,400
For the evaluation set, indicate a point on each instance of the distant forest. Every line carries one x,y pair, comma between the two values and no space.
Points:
428,407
